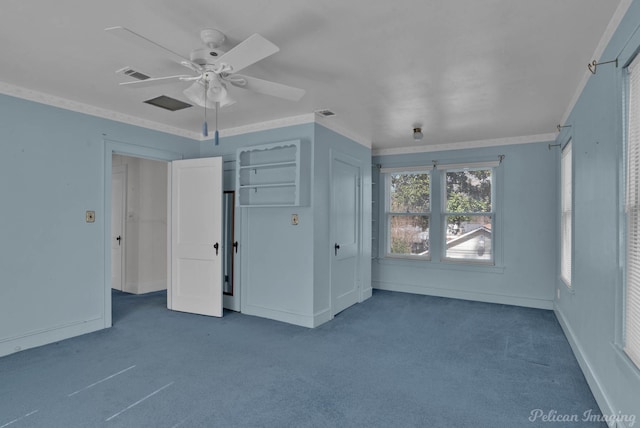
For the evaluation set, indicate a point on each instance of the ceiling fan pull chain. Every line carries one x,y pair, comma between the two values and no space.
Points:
217,141
205,130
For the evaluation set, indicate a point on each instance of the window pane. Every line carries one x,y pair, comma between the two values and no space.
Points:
469,191
409,235
409,192
469,237
565,225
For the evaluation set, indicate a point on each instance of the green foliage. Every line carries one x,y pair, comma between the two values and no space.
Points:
468,191
410,193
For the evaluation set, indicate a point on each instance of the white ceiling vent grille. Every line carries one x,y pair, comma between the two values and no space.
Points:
325,113
128,71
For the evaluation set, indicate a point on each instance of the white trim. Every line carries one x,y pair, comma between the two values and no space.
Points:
55,101
265,126
468,165
604,41
501,299
585,365
329,123
423,168
48,335
467,144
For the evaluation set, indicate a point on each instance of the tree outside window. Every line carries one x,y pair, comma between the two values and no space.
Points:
408,210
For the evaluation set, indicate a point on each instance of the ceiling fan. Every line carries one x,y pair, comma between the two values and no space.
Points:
213,69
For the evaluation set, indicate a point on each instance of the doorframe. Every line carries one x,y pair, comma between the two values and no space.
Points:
113,147
123,256
343,157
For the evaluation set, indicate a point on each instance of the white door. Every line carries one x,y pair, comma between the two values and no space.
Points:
345,232
196,237
118,207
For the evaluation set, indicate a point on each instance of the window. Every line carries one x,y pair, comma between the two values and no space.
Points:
468,214
408,212
632,210
566,214
461,229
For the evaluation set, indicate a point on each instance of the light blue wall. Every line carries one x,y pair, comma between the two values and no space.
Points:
52,262
276,273
525,236
327,144
284,271
591,313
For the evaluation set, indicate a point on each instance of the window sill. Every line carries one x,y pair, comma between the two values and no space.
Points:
443,265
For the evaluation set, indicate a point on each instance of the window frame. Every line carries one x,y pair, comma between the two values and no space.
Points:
435,257
388,172
631,180
475,166
566,208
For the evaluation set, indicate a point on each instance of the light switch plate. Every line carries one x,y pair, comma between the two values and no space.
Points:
90,217
294,219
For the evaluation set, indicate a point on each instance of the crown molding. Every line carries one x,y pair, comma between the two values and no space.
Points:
55,101
329,123
265,126
467,144
621,10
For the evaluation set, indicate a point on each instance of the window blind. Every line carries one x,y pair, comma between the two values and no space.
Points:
632,208
565,233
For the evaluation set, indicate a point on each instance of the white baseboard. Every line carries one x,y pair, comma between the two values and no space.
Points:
592,379
279,315
145,287
49,335
465,295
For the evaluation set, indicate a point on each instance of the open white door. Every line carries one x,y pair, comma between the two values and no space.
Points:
195,284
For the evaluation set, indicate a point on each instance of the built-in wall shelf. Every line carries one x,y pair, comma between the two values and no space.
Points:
273,175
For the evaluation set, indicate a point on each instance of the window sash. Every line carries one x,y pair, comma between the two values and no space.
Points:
474,245
566,214
408,238
632,208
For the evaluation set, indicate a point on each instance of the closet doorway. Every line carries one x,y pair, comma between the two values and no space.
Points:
138,226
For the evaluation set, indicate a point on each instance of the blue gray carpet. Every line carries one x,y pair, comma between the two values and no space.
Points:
398,360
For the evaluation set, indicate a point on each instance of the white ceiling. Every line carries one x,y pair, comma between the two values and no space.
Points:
465,70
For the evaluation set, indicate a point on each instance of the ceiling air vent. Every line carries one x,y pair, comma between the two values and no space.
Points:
325,113
168,103
128,71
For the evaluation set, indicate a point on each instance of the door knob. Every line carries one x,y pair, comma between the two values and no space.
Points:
119,238
217,247
235,246
336,247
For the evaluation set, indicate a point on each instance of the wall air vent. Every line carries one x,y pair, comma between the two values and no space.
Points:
325,113
128,71
168,103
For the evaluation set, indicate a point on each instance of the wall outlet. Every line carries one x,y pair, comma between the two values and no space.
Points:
294,219
90,216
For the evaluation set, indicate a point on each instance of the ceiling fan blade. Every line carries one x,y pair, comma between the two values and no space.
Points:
267,87
157,81
248,52
135,38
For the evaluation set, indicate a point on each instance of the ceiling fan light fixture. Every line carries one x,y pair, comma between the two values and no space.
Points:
417,134
215,94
